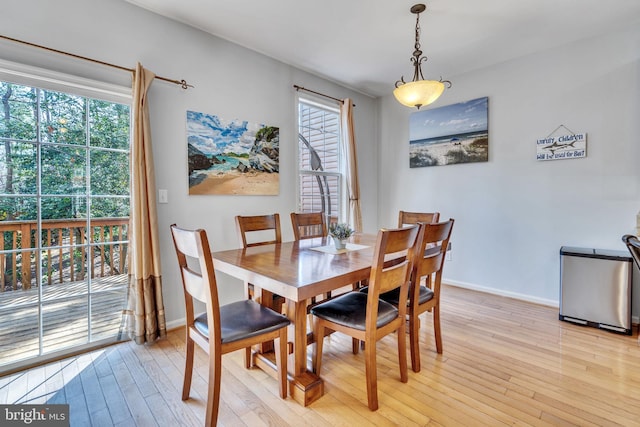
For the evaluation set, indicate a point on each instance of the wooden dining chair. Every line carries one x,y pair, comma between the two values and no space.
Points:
258,230
430,252
366,317
406,218
221,329
308,225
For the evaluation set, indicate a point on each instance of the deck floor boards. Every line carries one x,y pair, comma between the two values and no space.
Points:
64,315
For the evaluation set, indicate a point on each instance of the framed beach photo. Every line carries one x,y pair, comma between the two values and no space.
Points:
232,156
448,135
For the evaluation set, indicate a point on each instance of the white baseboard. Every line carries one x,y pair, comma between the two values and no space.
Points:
543,301
501,292
176,323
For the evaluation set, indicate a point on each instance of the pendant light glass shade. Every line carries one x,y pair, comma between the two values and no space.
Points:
418,93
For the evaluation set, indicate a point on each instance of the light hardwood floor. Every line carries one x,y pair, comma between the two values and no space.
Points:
505,362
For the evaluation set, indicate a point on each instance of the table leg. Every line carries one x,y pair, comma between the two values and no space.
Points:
305,387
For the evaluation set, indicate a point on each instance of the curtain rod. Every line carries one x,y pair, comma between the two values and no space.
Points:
318,93
182,83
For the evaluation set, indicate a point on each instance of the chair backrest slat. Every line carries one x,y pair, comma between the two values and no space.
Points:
308,225
198,276
431,248
194,284
185,241
256,225
391,266
406,218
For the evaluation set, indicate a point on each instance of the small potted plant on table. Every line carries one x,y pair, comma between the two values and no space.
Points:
340,232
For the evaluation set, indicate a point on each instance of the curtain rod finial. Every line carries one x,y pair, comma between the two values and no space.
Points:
185,85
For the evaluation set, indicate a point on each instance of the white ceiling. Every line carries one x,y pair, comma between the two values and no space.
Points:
366,44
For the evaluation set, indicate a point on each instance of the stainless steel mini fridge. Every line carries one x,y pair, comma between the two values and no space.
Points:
595,288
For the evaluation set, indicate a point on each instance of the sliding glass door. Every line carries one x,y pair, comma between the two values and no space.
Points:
64,207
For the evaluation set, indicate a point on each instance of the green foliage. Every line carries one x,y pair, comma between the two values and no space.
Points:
477,151
84,152
109,125
267,133
481,143
341,230
421,159
240,155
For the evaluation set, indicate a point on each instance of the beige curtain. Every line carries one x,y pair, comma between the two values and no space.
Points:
349,146
144,317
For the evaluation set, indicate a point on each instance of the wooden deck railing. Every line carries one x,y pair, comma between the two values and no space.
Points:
68,251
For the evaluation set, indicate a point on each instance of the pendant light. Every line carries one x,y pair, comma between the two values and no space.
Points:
419,92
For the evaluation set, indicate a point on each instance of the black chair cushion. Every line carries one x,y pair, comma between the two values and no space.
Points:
351,310
393,297
243,319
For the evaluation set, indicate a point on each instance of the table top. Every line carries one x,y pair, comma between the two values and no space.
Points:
296,270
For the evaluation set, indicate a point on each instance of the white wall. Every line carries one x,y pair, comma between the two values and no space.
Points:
230,81
514,213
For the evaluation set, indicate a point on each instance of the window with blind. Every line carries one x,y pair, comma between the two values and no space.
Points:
320,177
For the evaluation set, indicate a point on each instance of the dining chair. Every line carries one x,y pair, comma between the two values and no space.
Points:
429,253
221,329
366,317
406,218
308,225
311,225
258,230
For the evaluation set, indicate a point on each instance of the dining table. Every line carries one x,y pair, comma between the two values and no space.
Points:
299,271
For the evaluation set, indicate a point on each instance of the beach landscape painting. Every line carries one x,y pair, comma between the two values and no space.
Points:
452,134
232,157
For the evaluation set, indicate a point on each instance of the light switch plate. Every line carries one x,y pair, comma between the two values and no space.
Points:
163,196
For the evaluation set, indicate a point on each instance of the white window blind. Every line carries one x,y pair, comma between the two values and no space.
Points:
320,178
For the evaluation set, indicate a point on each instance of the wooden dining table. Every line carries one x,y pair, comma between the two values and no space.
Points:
299,271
